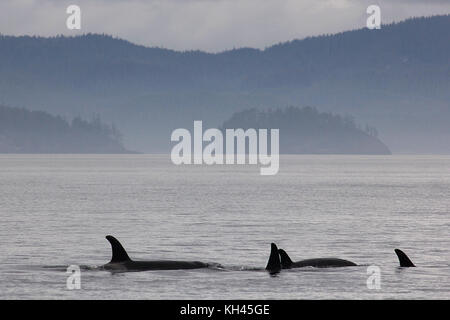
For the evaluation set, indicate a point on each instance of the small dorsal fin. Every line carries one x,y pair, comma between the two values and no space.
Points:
118,252
286,261
273,265
403,259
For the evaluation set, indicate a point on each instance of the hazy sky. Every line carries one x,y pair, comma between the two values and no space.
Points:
211,25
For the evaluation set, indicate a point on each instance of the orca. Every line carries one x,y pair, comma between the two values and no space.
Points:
287,263
120,261
274,263
403,259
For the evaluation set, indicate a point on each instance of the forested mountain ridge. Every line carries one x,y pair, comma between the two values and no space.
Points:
84,60
308,131
396,79
24,131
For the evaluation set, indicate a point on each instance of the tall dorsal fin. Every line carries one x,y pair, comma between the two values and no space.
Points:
118,252
273,265
286,261
403,259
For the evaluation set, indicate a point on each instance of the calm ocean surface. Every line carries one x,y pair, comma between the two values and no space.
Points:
56,210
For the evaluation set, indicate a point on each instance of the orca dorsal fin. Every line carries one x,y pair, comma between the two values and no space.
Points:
274,264
286,261
118,252
405,262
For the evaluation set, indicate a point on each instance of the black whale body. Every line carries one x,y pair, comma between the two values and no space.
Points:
279,260
287,263
120,261
154,265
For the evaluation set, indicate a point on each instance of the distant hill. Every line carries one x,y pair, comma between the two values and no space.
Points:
307,131
24,131
396,78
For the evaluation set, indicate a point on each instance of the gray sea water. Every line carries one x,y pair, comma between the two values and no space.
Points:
56,210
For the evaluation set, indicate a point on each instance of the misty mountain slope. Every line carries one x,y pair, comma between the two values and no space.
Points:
308,131
396,78
24,131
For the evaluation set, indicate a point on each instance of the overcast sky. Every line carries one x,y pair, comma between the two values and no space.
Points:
211,25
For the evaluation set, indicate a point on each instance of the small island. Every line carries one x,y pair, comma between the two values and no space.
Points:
25,131
308,131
